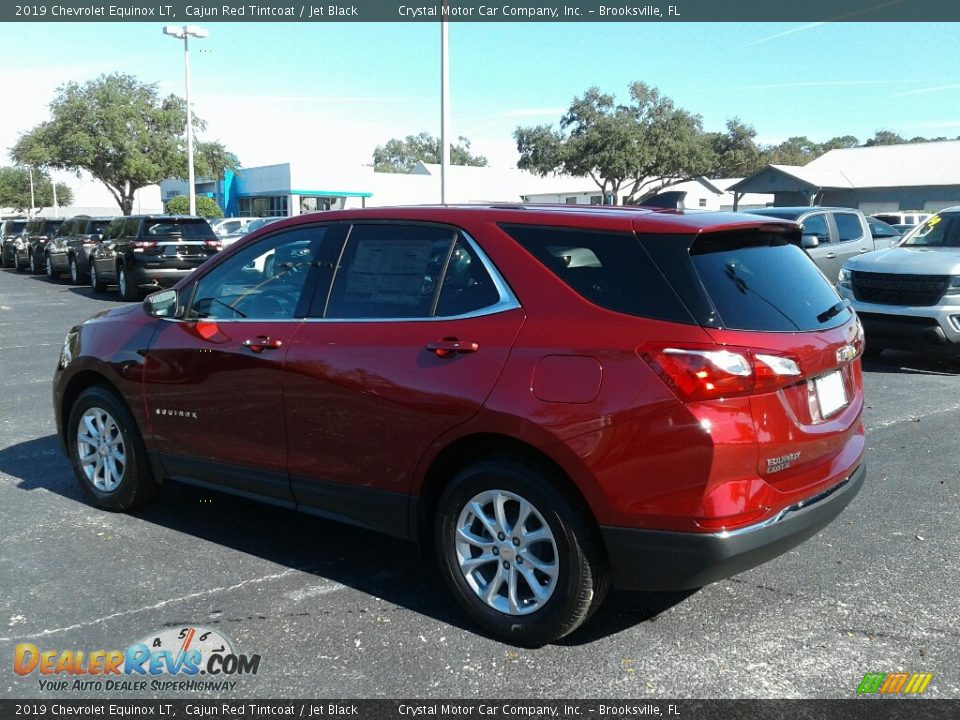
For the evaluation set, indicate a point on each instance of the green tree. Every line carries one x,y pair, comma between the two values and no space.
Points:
399,156
793,151
888,137
122,132
15,189
206,207
735,152
837,143
634,149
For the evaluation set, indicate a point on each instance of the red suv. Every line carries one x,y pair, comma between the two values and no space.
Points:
557,399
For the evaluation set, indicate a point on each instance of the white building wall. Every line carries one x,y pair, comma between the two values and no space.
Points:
92,197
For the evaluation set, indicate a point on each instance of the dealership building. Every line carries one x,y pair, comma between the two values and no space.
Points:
296,188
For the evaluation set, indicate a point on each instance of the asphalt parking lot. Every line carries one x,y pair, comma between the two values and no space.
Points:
335,611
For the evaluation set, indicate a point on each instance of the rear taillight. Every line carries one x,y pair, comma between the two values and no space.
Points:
710,373
212,244
142,244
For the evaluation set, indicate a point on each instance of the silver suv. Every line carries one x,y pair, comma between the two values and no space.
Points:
831,235
908,296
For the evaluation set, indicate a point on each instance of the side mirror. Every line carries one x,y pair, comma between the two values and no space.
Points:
810,241
163,304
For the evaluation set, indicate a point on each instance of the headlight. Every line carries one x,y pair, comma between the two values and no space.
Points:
954,287
843,280
66,352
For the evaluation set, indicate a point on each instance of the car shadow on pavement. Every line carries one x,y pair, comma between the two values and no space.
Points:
895,361
384,567
39,463
108,296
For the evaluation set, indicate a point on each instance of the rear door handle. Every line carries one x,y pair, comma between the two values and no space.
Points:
864,250
830,255
448,347
262,343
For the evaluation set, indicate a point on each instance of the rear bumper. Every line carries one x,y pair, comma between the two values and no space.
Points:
147,277
661,560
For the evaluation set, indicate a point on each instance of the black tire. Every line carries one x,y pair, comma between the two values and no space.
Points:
136,486
582,577
32,264
76,277
95,282
128,292
3,258
52,272
16,262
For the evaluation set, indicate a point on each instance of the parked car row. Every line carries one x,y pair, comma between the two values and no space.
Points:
137,253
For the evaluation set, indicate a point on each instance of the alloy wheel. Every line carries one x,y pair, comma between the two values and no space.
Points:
100,449
507,552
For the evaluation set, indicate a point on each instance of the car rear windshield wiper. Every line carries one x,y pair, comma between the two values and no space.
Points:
833,311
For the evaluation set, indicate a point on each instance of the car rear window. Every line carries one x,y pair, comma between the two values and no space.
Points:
14,226
97,226
759,280
609,269
156,227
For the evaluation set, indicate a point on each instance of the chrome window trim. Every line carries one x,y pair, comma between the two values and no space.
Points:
508,301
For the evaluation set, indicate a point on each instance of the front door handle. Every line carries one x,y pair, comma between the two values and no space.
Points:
864,250
262,342
448,347
830,256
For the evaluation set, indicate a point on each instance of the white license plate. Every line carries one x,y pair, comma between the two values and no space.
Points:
830,393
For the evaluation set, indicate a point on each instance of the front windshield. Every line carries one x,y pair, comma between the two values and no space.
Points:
939,231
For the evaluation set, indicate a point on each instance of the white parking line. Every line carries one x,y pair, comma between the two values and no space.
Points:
912,418
157,606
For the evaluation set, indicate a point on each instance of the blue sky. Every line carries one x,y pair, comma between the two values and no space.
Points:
334,91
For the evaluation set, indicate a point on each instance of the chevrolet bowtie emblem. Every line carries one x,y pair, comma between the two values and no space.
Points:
846,353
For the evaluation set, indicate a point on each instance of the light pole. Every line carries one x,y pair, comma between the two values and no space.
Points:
185,32
444,106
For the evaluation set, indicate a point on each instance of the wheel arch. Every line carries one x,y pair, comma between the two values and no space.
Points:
467,450
75,386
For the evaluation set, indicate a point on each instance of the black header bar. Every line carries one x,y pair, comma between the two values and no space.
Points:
190,11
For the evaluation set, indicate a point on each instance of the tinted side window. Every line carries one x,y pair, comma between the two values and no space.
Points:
114,229
467,286
390,272
609,269
130,226
817,225
262,282
848,227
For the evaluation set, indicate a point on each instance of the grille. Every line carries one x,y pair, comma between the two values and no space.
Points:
896,289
